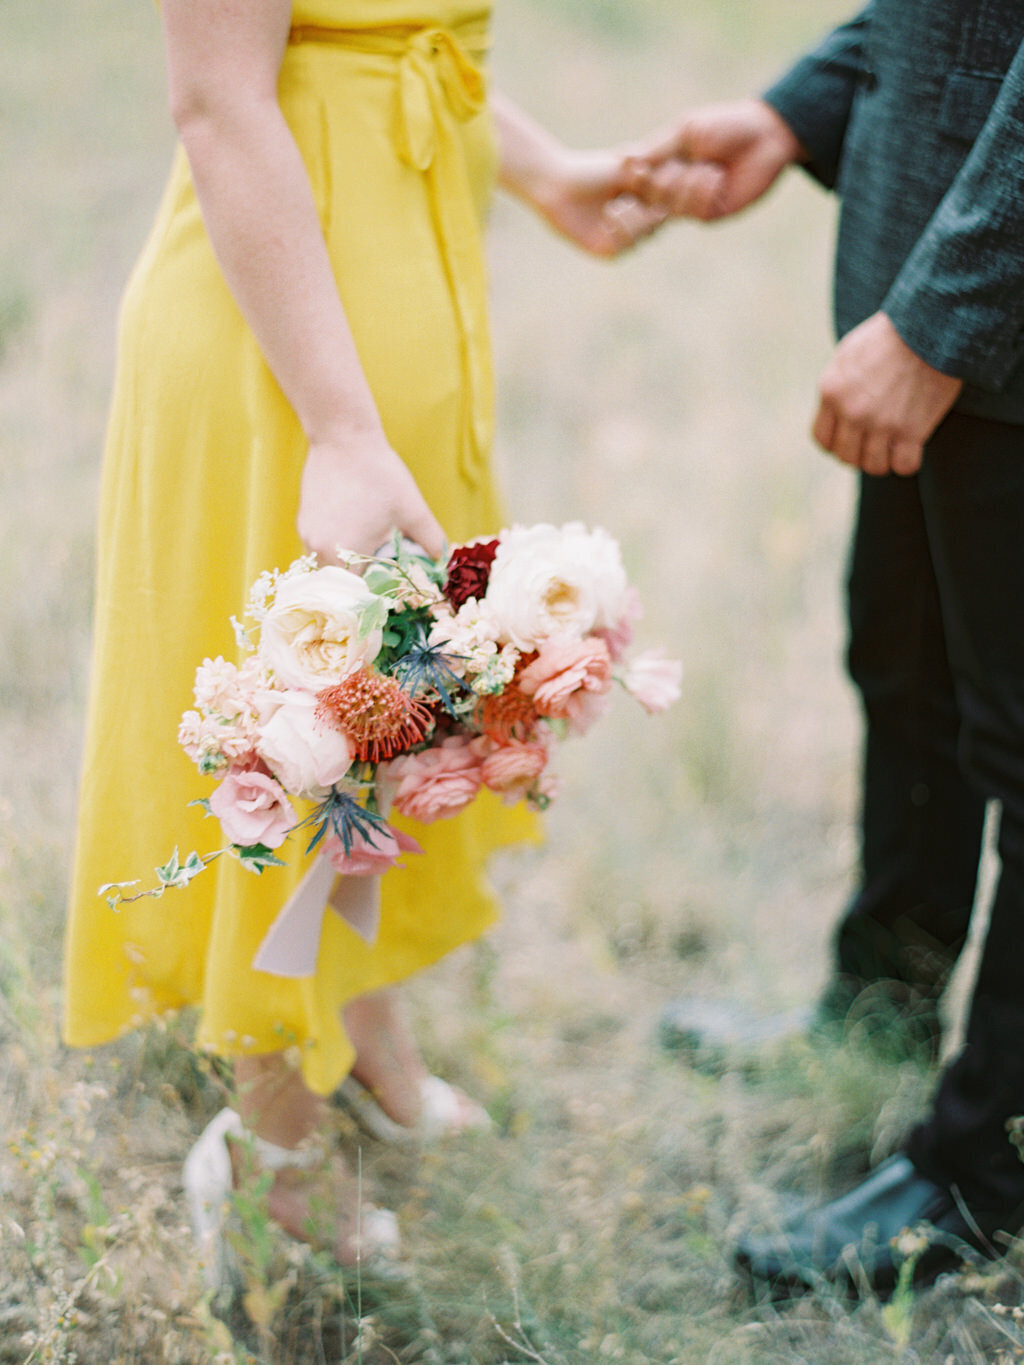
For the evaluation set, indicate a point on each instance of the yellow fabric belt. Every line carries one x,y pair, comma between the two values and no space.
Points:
438,85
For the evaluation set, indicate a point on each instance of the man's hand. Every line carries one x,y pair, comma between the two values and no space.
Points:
879,401
715,160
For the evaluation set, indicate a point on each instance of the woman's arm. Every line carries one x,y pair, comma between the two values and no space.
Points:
583,195
223,60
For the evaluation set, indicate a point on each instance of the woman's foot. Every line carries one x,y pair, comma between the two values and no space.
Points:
284,1128
318,1202
313,1198
444,1111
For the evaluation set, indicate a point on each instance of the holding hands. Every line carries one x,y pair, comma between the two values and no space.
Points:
586,196
714,161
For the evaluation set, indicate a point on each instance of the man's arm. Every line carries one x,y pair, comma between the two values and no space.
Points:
816,94
718,159
954,313
958,301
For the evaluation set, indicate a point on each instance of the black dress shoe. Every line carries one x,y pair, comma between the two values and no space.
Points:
715,1034
849,1241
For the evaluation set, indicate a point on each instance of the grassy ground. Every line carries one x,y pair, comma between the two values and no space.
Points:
666,397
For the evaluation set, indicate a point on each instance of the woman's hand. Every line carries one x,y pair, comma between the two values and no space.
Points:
355,494
583,195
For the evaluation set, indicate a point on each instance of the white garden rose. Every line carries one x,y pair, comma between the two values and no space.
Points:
310,637
555,580
305,753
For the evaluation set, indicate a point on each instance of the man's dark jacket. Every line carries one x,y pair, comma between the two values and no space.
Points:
914,113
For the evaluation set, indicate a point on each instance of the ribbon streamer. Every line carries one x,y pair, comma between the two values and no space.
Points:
292,943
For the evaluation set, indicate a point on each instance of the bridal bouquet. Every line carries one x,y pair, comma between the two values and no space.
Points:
412,684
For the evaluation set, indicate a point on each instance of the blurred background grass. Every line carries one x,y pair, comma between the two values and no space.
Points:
667,397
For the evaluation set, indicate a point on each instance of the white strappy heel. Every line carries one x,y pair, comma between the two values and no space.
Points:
444,1112
209,1180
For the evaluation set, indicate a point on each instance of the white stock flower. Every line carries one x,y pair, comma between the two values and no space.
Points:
307,755
469,638
551,580
310,637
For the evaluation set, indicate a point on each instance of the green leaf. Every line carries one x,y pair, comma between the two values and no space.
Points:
256,857
177,873
373,616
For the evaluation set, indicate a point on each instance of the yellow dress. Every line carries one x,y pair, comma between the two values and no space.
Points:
199,496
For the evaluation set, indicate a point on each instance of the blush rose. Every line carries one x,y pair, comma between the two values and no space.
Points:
252,809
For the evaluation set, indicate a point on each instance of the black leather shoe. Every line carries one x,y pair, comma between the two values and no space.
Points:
849,1241
715,1034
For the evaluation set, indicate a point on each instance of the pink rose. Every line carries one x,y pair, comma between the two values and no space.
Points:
654,680
512,770
252,809
568,677
369,857
438,782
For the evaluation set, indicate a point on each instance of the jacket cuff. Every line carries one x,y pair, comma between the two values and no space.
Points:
984,355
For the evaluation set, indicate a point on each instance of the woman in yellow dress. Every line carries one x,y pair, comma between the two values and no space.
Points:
303,364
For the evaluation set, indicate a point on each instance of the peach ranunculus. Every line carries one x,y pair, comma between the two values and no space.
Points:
306,754
567,678
654,680
438,782
555,580
512,769
312,636
369,856
252,809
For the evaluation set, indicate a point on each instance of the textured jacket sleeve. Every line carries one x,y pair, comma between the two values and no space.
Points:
958,301
815,96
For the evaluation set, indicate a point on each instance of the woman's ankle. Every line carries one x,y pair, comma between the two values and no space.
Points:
275,1103
388,1063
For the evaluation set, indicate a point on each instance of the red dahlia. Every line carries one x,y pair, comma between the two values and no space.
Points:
469,571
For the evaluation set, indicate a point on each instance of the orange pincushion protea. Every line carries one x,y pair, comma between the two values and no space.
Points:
507,716
375,714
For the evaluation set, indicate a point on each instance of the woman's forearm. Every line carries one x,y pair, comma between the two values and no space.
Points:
529,156
259,211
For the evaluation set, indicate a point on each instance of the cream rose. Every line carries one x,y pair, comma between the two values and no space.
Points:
310,637
550,580
306,754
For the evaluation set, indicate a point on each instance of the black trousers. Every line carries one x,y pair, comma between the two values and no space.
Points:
937,651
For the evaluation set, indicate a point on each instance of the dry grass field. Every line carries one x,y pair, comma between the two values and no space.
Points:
667,397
